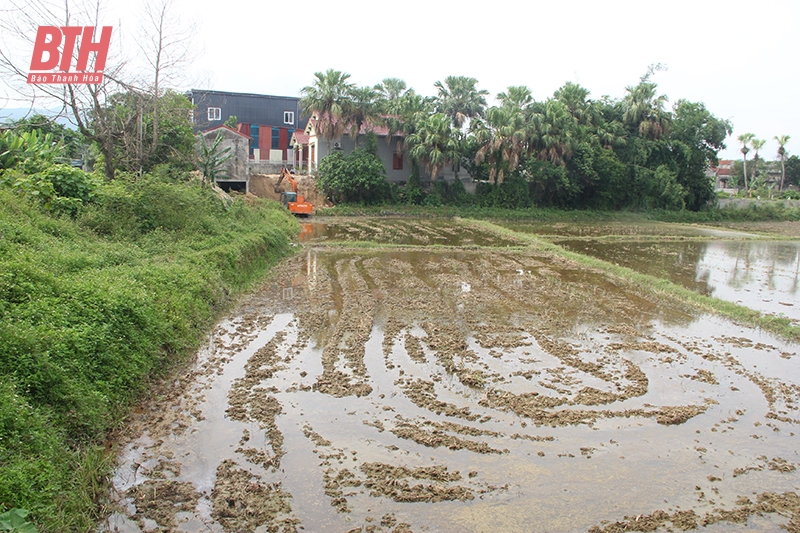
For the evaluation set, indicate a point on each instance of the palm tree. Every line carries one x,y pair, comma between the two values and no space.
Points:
434,142
757,144
460,99
329,98
517,97
556,133
390,89
503,139
363,110
574,97
745,138
782,140
644,111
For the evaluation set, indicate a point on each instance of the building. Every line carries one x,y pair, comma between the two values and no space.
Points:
311,147
279,136
721,174
235,172
268,121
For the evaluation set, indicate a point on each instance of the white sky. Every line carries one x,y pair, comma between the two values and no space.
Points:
738,57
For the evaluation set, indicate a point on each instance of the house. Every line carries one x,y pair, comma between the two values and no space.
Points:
311,147
721,174
268,121
279,136
235,170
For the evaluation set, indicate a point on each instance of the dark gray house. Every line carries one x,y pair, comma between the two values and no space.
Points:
269,121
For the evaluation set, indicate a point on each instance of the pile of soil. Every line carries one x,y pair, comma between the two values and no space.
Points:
263,186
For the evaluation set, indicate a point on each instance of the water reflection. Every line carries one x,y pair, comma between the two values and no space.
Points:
399,231
603,229
762,275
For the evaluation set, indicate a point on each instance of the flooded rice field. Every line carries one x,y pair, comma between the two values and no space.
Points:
761,275
637,229
475,389
399,231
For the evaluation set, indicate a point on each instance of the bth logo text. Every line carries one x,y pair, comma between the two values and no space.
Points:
48,55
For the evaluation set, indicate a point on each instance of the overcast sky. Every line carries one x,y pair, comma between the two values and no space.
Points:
739,58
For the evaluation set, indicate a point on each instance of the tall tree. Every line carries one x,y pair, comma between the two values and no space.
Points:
82,103
364,110
516,97
695,139
556,132
574,96
433,142
329,98
745,138
757,145
503,139
460,99
164,43
782,140
167,47
644,110
390,89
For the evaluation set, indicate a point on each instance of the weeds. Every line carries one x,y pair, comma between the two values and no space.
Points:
93,308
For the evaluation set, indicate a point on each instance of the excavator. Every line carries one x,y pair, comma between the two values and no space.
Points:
294,202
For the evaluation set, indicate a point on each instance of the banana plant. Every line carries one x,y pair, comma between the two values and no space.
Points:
212,159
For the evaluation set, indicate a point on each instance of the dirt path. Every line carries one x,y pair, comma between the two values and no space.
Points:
466,389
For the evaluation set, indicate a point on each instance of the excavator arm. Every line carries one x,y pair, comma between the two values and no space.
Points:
292,200
287,175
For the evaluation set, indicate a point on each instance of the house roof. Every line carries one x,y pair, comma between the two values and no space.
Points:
300,137
223,126
378,129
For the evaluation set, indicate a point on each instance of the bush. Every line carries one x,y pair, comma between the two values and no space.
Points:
358,177
60,188
88,318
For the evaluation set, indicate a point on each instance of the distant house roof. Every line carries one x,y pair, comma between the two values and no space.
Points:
223,126
381,130
300,137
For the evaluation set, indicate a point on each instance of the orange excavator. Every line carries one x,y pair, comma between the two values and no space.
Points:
294,202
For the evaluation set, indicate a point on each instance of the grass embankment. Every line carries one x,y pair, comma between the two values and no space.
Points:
767,211
659,288
94,308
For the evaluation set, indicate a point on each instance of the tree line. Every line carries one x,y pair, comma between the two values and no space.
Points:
569,150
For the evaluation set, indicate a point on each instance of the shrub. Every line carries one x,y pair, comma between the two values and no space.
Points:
358,177
89,318
60,188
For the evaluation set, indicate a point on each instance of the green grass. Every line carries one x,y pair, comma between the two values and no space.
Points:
765,211
93,309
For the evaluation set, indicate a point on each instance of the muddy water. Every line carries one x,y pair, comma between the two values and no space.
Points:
762,275
473,390
412,232
603,229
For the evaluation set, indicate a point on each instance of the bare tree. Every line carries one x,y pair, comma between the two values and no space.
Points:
167,47
111,114
83,104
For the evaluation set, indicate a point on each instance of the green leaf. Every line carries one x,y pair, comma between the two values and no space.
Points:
14,520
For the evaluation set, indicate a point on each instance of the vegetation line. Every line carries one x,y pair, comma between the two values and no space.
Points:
657,287
99,299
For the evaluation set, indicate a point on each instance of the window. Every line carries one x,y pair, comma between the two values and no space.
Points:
276,138
397,162
214,113
254,140
288,117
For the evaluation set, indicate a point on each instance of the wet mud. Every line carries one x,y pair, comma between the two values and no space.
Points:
466,390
